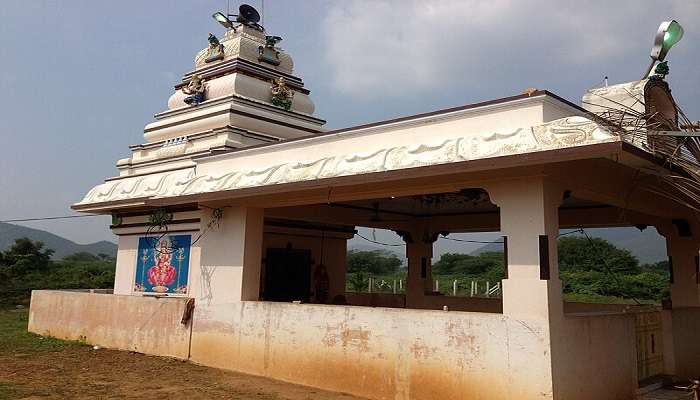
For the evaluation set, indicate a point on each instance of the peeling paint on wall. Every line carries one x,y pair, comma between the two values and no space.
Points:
378,353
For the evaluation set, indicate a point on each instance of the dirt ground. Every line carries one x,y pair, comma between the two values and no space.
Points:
40,368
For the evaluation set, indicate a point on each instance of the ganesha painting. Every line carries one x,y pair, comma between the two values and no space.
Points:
163,264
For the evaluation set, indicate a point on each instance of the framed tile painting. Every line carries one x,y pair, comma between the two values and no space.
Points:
163,264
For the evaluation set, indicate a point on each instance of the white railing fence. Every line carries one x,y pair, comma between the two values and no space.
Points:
464,288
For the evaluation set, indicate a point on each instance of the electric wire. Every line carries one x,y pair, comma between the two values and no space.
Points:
458,240
379,243
49,218
471,241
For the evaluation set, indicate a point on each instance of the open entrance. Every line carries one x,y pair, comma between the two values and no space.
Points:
469,264
287,275
431,251
380,252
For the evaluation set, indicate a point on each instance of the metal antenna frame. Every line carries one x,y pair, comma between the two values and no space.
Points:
238,18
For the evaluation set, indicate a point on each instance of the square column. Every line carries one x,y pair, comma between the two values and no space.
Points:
530,225
682,322
230,257
682,245
419,281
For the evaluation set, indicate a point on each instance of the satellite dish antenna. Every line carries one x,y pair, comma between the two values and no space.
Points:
248,14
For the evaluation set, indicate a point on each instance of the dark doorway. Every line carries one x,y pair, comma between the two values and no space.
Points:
288,275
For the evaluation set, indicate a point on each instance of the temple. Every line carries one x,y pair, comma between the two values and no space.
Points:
233,218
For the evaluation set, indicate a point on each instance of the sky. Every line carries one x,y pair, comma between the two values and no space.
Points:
80,79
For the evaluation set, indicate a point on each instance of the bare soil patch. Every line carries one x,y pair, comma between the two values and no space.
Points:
32,367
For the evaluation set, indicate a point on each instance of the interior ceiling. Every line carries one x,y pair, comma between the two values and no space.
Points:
465,201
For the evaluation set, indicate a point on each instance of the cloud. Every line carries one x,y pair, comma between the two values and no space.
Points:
398,48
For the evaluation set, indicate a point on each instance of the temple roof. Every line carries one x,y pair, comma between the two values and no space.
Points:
464,134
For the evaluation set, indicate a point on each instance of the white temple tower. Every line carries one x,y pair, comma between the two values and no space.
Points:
237,79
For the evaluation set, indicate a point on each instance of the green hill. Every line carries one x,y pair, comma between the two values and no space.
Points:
62,246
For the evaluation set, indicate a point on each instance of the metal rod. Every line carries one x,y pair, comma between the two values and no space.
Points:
646,74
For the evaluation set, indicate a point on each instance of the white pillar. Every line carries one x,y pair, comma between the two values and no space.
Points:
126,264
230,257
532,291
530,222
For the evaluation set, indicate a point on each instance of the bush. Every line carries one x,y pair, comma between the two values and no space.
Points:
376,262
27,266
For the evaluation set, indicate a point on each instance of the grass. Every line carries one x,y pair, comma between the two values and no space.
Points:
33,367
15,338
595,298
10,391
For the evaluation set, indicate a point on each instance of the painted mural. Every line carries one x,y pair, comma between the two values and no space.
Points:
163,264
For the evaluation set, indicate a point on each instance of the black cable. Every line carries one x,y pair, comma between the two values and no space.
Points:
501,242
50,218
579,230
380,243
469,241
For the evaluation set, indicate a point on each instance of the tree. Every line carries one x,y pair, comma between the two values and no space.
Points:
27,265
26,261
580,254
357,282
376,262
83,270
467,265
592,270
660,267
598,269
24,257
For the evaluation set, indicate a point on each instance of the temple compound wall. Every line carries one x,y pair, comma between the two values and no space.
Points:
378,353
147,325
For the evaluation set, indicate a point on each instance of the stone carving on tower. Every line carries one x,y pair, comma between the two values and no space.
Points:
269,53
282,95
195,89
215,51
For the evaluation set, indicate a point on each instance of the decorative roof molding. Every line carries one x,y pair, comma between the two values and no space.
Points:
624,95
562,133
627,88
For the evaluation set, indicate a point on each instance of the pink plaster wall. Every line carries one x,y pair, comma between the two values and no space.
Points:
379,353
143,324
